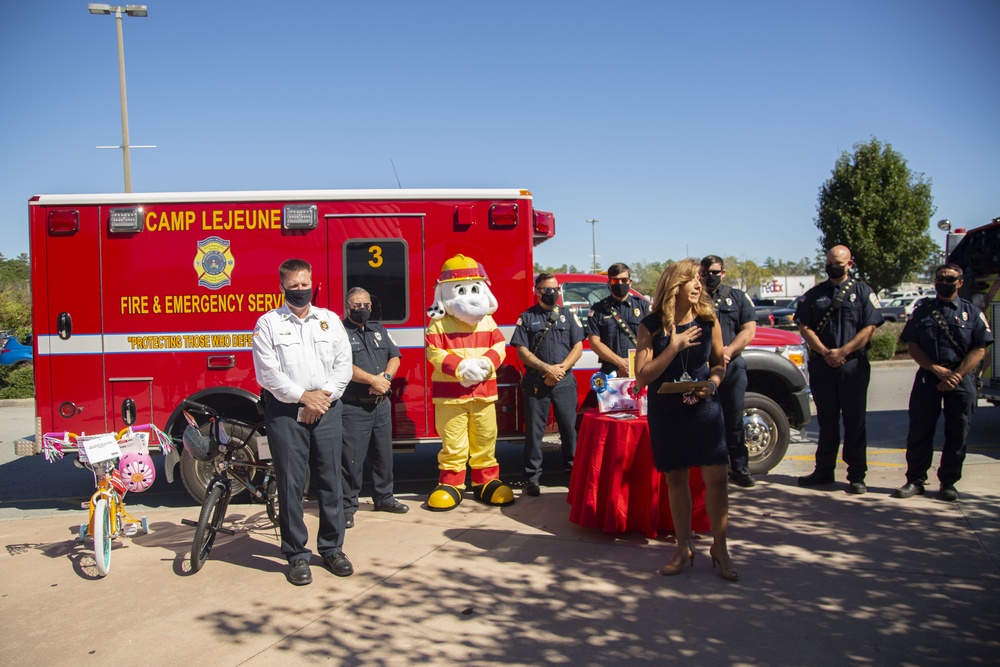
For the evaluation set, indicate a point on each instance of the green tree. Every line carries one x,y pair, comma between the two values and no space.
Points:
879,209
744,274
15,295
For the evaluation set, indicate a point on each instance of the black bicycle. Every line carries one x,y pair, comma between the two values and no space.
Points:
220,440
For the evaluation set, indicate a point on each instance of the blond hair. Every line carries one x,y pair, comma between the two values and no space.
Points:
667,287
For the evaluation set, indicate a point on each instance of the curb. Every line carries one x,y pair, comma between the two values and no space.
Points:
16,402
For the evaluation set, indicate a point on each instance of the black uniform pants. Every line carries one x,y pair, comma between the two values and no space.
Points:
367,433
292,445
562,398
925,408
841,392
732,393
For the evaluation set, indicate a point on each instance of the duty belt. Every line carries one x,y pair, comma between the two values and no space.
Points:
363,400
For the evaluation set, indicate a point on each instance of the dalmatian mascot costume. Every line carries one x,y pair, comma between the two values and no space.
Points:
465,347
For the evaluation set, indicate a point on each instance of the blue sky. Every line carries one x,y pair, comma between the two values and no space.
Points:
686,128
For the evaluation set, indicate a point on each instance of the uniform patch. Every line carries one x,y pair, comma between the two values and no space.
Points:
378,336
854,297
982,316
590,313
965,316
874,301
323,325
729,301
636,311
519,322
562,318
578,322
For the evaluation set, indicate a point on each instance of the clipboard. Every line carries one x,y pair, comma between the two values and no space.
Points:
680,387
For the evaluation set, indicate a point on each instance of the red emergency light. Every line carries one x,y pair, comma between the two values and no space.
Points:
503,216
64,223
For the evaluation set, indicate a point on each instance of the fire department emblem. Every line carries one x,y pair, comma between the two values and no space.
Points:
214,263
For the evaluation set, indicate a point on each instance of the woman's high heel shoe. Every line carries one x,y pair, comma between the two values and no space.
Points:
672,568
725,571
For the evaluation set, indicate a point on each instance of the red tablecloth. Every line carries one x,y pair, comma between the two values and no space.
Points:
615,486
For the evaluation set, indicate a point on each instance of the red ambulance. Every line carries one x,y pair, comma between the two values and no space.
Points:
153,297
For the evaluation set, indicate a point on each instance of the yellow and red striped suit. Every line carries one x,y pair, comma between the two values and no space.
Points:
465,417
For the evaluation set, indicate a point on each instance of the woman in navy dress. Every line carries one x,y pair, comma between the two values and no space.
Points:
680,340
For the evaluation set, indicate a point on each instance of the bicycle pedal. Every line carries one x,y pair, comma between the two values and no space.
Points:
85,505
130,530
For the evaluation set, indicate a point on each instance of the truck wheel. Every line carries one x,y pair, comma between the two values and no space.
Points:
766,430
197,474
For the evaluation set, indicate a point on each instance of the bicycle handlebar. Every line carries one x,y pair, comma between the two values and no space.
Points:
198,407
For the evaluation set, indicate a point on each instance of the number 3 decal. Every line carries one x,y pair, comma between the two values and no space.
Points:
376,260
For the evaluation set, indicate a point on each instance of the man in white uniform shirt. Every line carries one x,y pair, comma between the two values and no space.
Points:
302,357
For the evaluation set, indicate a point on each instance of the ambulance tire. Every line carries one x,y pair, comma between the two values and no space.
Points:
766,432
197,474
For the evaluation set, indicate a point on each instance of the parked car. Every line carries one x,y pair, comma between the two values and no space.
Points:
783,316
16,352
900,310
765,317
582,290
901,295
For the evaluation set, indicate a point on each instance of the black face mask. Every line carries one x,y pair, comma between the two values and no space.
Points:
945,290
835,272
620,290
360,315
299,298
549,299
712,282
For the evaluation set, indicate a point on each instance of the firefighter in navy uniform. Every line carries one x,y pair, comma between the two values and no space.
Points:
548,341
837,319
739,324
947,336
613,322
367,412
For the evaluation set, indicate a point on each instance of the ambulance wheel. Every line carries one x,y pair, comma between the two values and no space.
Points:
766,431
197,474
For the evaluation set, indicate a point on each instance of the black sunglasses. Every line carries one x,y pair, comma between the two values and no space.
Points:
948,280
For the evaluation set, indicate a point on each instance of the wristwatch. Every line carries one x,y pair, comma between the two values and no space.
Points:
387,376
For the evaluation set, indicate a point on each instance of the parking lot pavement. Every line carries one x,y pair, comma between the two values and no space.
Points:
827,579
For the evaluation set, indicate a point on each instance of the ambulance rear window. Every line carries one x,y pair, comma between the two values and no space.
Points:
379,267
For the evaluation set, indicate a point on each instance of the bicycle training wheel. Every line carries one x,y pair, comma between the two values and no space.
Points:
102,536
213,511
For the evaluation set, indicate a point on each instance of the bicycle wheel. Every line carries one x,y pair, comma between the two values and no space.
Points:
102,536
212,514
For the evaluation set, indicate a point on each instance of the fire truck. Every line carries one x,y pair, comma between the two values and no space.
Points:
978,253
146,300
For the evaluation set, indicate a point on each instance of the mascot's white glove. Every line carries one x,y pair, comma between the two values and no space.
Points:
471,371
485,364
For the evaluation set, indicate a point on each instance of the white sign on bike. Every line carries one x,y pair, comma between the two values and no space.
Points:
138,443
100,448
263,449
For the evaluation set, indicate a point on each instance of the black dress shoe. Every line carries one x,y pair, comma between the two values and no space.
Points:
532,489
348,521
393,506
816,479
908,490
742,478
948,492
299,573
857,488
339,564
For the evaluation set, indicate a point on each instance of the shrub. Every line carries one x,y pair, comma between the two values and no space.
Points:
17,382
883,346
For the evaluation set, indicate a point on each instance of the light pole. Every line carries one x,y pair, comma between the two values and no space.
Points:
593,238
131,10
